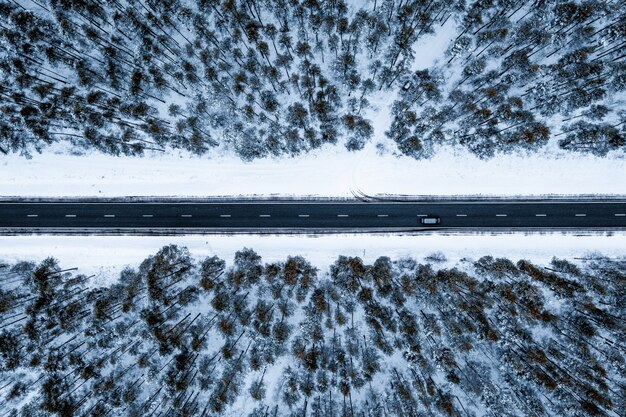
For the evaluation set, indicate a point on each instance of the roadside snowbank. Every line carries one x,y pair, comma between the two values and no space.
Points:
104,256
331,172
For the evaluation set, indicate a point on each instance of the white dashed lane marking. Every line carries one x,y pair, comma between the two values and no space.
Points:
264,215
147,215
620,214
109,215
581,215
461,215
70,215
382,215
501,215
342,215
303,215
185,215
540,215
32,215
224,215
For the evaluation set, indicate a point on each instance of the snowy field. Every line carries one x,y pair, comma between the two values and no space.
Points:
332,172
104,256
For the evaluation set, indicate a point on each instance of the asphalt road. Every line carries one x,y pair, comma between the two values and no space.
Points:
313,215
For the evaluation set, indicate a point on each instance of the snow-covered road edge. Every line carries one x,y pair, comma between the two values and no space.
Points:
382,198
326,173
104,256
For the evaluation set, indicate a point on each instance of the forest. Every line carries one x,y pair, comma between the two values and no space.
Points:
182,336
283,77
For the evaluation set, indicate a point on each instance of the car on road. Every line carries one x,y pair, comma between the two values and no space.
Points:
430,220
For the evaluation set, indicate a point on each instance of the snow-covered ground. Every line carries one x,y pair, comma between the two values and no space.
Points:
331,171
328,172
104,256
